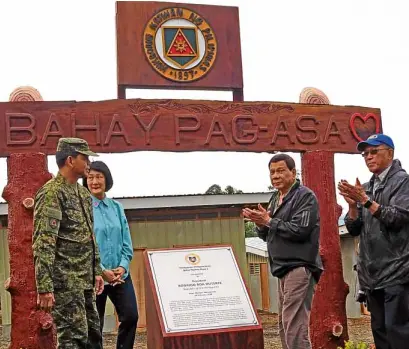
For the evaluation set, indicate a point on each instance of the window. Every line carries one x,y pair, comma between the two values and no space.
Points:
254,269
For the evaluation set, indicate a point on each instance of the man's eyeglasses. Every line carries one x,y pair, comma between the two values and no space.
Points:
372,152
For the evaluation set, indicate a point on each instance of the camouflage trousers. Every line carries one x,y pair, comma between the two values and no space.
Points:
76,318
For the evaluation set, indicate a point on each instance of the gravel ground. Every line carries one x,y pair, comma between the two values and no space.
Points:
359,330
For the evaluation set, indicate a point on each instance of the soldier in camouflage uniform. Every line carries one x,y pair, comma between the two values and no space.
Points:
66,257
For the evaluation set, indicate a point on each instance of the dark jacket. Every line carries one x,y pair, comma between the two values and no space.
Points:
293,236
383,258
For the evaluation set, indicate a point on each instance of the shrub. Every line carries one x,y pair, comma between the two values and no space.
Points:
358,345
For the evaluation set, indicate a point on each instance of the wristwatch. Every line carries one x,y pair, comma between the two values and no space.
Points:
368,203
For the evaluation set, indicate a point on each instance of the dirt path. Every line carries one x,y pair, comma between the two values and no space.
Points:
359,330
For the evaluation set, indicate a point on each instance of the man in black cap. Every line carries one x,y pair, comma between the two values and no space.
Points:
379,214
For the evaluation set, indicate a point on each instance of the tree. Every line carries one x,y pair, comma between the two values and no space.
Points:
214,189
230,190
249,230
249,227
217,189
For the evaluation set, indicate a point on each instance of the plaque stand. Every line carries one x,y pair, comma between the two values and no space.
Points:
243,337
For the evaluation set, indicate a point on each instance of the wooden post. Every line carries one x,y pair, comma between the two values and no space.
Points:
30,328
328,326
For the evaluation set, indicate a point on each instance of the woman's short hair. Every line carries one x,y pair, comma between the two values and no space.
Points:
100,166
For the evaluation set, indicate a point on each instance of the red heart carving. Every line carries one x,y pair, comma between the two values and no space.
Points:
364,119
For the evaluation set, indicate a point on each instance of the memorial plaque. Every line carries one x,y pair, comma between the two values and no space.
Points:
200,289
196,298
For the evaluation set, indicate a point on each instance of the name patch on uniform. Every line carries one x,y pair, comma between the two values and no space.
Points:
52,212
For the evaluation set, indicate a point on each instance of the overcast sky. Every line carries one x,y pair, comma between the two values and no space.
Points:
357,52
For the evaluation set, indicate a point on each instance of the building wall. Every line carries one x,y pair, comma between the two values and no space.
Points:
273,284
254,258
259,272
5,299
348,259
255,290
192,232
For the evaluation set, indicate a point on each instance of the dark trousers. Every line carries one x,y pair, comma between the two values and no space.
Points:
295,294
124,300
389,309
76,320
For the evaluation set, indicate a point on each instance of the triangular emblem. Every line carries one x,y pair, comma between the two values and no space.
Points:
180,45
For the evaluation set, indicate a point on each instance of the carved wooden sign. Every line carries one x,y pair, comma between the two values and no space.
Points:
170,125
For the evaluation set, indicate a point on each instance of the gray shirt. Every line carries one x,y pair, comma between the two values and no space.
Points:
378,179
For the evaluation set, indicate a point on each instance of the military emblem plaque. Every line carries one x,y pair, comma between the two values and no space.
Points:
180,44
173,45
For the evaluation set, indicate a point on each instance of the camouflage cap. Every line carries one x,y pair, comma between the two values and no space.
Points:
78,145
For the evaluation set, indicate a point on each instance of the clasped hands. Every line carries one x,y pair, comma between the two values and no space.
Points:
114,276
259,217
352,194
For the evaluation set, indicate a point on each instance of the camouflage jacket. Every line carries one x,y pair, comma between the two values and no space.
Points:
65,252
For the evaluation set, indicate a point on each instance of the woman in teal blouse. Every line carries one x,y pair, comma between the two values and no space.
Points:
115,247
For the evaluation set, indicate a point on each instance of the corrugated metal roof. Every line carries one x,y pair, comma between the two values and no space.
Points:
194,200
185,195
258,247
